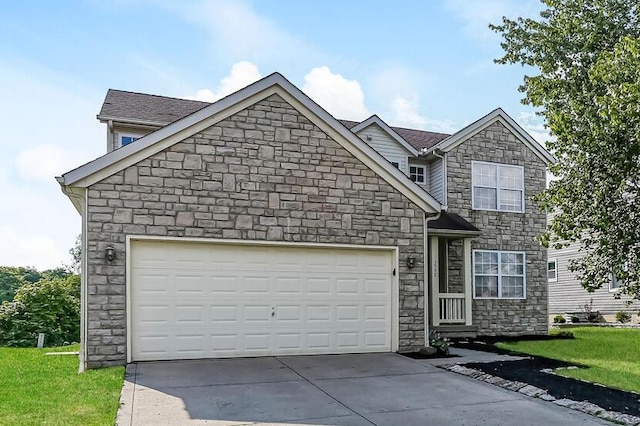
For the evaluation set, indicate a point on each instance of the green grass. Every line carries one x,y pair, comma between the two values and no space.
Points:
612,355
47,390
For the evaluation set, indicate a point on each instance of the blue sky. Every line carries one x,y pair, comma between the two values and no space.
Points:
418,64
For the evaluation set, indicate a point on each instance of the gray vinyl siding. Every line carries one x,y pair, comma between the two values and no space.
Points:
436,180
386,146
567,294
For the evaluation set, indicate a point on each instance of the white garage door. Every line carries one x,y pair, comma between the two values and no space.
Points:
196,300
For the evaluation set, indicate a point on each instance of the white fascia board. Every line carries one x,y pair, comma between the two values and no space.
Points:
479,125
105,119
177,131
360,149
77,196
374,119
166,136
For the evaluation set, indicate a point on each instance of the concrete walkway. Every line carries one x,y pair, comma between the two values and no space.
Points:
365,389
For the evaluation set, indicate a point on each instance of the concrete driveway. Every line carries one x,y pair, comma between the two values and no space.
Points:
380,389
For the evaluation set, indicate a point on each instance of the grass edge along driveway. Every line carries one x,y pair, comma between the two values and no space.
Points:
612,355
36,389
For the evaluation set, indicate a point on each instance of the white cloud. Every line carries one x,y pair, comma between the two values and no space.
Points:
476,17
42,162
406,112
242,74
340,97
49,127
534,125
237,31
30,250
406,115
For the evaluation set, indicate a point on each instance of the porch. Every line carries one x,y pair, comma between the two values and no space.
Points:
450,276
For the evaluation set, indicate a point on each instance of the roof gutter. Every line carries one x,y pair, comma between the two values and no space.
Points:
108,119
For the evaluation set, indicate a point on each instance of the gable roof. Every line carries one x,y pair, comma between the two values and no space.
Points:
143,108
120,105
374,119
497,114
419,139
207,116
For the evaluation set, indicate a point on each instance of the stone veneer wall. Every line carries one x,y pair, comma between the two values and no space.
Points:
265,173
504,230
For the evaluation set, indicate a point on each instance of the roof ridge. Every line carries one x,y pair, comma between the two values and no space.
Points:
160,96
419,130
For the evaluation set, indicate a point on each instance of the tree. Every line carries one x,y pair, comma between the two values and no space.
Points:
76,255
50,306
11,278
587,54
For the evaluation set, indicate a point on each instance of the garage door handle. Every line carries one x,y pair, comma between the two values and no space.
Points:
273,311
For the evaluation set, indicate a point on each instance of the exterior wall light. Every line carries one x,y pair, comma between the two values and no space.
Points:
411,261
110,253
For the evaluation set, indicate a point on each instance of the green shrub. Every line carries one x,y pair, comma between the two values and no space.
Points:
559,319
565,334
623,317
440,343
50,306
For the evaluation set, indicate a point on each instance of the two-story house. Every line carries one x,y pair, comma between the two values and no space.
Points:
261,225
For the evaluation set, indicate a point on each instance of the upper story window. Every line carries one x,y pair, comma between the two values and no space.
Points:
552,270
418,174
497,187
127,138
498,275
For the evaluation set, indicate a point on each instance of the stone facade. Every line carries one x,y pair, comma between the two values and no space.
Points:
265,173
503,230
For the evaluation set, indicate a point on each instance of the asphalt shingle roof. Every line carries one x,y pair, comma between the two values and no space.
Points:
132,106
142,107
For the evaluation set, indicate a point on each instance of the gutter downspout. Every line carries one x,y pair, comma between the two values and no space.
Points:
80,201
426,274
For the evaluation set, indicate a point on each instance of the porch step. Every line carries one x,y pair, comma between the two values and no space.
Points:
456,331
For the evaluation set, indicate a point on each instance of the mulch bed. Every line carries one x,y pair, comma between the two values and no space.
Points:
418,355
529,371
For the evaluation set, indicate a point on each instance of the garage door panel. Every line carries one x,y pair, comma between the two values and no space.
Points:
193,300
288,285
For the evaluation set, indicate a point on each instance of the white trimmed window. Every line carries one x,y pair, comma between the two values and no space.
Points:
497,187
498,275
418,174
614,284
552,270
127,138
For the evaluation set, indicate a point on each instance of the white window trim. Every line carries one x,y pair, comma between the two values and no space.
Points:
613,279
402,163
555,260
120,135
498,165
500,252
424,173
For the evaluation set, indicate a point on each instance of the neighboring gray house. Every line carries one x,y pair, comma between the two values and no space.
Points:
261,225
566,294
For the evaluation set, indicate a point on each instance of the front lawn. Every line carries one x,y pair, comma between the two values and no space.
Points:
612,355
36,389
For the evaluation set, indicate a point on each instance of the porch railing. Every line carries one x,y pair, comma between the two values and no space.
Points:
452,308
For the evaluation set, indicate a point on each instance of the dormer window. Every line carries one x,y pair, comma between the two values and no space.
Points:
418,174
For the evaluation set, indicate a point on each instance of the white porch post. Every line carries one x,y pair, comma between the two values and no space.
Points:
468,299
435,281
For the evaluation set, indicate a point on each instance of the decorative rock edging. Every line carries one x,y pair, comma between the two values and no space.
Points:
535,392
